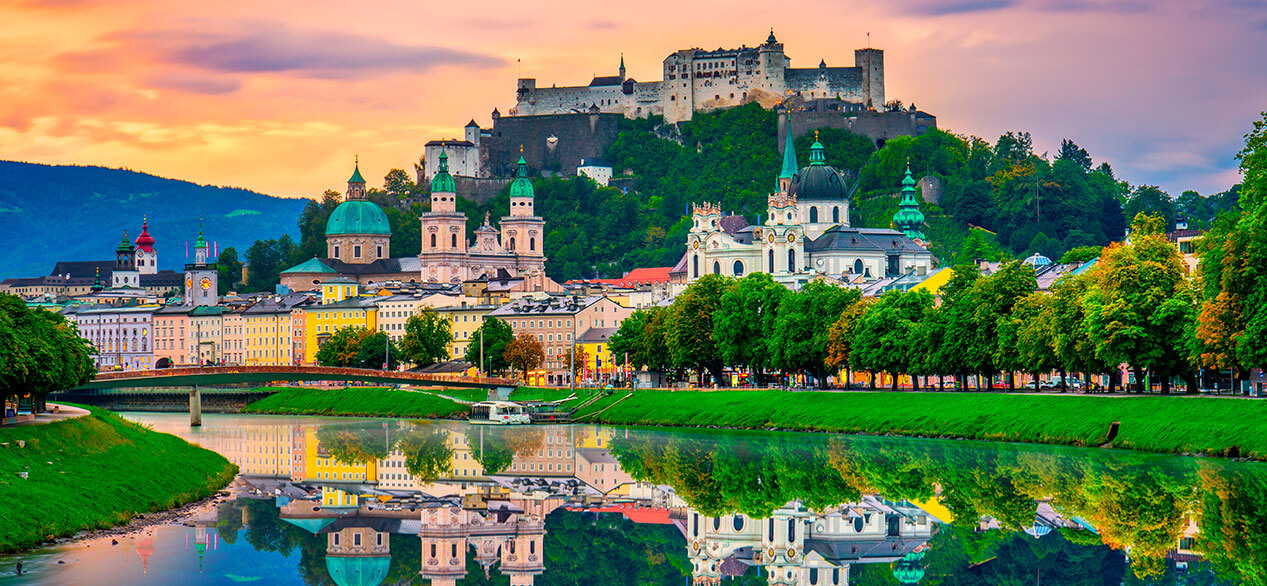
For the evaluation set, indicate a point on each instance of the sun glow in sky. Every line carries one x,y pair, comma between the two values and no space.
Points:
278,96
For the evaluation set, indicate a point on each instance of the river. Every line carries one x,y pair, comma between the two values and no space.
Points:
377,501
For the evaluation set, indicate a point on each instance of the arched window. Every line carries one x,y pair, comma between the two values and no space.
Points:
857,266
771,259
512,243
716,523
813,214
771,529
738,523
716,268
532,244
453,240
433,241
455,550
738,268
835,214
791,530
791,261
695,266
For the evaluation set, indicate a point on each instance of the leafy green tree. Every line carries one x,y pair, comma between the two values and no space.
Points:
643,337
888,332
1071,341
744,322
494,335
343,347
954,324
803,325
690,326
997,295
1140,307
841,335
427,338
1030,330
1080,254
376,350
1070,151
1151,200
268,258
312,224
230,270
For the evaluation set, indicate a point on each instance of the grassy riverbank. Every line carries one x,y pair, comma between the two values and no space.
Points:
356,401
95,472
1156,424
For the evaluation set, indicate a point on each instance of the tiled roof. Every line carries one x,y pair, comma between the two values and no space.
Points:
596,334
645,276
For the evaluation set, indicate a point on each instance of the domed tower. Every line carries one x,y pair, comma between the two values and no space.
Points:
782,237
822,192
358,231
125,273
146,255
908,218
523,231
202,277
443,230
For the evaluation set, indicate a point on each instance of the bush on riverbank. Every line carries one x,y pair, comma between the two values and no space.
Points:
366,402
94,472
1157,424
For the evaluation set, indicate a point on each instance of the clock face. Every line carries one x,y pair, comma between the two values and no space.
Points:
791,237
189,281
772,238
205,283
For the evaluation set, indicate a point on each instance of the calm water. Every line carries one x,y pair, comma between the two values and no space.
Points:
367,501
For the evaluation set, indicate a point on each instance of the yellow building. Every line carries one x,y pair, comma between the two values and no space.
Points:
466,320
322,467
267,330
600,365
340,308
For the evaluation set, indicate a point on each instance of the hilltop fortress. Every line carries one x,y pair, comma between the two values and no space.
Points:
696,80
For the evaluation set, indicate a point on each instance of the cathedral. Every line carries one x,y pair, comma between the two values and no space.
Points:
358,239
806,232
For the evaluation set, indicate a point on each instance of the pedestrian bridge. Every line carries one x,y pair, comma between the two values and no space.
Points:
220,375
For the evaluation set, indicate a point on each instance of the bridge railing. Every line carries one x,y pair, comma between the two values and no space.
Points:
332,371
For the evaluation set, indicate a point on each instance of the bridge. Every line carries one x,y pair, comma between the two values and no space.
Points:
219,375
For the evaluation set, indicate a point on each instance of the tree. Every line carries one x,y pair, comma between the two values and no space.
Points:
1151,200
582,359
841,335
427,338
642,336
268,258
1071,341
377,351
1070,151
1080,254
887,333
743,322
230,270
525,353
494,335
690,326
997,295
799,340
1140,306
40,352
1029,330
343,347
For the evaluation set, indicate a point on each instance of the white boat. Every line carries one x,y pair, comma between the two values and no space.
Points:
499,413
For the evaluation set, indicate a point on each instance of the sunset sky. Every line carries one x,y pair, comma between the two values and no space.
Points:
278,96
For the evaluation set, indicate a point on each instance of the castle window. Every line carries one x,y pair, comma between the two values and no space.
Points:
379,252
356,252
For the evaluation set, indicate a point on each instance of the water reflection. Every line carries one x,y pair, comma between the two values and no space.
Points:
376,502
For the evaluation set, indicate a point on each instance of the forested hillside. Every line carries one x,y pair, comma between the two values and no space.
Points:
50,213
1018,201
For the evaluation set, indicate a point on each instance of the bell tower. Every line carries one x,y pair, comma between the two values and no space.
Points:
202,277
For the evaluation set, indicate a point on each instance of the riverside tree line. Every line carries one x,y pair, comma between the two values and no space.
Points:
1138,307
40,352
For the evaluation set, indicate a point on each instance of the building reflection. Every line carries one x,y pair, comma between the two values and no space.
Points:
476,499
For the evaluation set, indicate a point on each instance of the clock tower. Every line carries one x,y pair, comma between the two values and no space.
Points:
202,277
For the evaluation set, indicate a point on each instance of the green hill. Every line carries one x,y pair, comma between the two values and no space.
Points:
55,212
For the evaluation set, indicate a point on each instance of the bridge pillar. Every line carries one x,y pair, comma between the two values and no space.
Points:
195,407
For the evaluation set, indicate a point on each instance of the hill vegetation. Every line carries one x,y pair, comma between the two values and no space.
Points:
46,203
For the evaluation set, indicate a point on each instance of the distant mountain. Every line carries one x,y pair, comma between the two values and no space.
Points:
56,212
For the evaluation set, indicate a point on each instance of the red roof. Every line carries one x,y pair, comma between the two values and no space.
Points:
634,513
145,241
645,276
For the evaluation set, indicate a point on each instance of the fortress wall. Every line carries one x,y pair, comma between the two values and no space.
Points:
577,136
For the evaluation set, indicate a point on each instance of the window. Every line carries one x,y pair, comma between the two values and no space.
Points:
695,266
433,241
791,261
532,244
738,268
835,214
512,243
379,539
356,539
771,261
453,240
379,252
857,266
813,214
336,251
716,268
356,251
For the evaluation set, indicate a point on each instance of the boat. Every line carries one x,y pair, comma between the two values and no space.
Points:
499,413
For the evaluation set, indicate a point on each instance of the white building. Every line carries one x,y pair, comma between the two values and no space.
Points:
123,336
597,169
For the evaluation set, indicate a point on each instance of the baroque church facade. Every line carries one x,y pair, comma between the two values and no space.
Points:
358,239
806,232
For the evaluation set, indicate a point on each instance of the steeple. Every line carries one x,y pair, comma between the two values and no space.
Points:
356,183
522,186
770,40
622,67
443,182
789,158
96,281
908,218
817,152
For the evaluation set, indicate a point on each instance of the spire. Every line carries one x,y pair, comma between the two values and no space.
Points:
622,65
522,185
356,172
908,218
443,182
817,152
96,281
145,241
770,40
789,153
126,244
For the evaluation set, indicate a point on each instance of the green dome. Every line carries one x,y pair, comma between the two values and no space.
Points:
126,245
908,569
443,182
522,186
358,216
819,181
358,571
908,218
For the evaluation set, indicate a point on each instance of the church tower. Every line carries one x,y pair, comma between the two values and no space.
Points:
523,230
146,255
125,274
202,278
443,230
908,218
357,231
789,159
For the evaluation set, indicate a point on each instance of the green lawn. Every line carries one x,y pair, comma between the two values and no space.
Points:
472,395
357,401
1158,424
543,394
95,472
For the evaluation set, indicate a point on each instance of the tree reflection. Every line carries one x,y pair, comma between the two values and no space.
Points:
426,450
354,444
